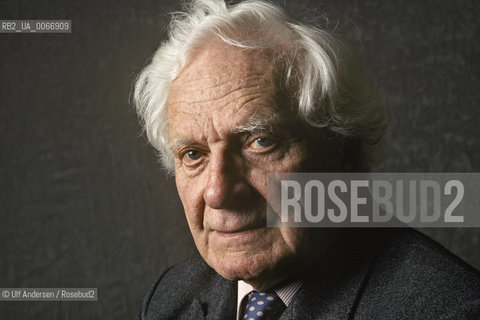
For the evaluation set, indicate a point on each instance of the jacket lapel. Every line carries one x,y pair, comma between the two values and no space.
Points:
224,305
333,290
195,311
219,302
326,300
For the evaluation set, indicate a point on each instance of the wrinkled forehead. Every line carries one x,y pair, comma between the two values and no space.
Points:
220,69
226,90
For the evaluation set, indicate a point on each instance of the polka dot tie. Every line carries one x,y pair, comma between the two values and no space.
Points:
263,306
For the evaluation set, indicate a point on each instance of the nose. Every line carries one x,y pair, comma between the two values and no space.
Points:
226,186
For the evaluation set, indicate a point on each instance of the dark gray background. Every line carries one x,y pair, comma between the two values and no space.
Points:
84,201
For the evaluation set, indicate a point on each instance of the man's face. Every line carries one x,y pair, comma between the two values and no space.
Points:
229,125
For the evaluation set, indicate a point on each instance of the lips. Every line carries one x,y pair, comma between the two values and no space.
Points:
236,232
238,240
239,228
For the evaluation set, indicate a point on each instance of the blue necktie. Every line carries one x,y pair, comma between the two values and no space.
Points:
263,306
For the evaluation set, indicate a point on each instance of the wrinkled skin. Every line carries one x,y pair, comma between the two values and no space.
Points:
221,163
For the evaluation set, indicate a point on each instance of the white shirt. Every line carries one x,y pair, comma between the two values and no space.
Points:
285,293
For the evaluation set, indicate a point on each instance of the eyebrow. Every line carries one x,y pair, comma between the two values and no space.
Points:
256,123
178,143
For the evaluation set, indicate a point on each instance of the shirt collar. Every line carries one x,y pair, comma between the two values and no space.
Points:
285,293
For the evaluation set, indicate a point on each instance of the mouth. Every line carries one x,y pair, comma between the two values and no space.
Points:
238,232
238,228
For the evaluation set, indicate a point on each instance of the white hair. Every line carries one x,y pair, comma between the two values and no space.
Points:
328,87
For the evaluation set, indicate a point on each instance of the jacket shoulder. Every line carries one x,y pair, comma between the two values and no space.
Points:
413,276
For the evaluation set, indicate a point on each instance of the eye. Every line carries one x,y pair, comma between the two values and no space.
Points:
262,143
193,154
192,157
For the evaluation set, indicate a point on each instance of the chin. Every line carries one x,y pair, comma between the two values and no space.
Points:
261,270
240,265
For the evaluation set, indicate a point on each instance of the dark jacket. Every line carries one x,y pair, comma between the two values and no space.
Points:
367,274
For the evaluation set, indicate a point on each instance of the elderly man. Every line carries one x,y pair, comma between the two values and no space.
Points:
238,92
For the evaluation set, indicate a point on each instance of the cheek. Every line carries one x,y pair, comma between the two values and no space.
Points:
181,188
257,179
191,196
